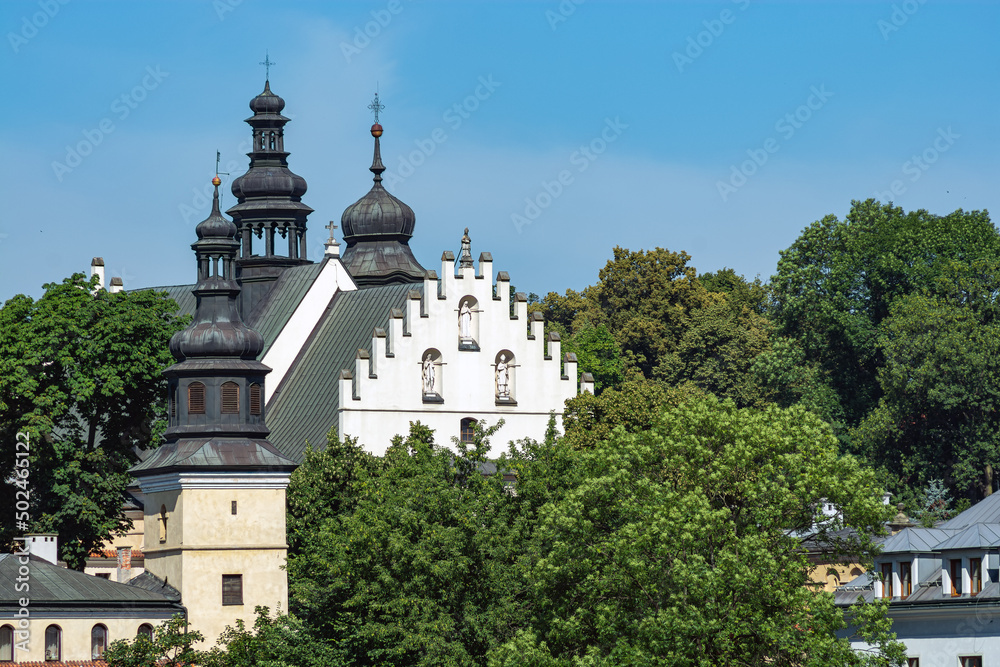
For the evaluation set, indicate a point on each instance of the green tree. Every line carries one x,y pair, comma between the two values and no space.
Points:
837,282
597,353
418,572
679,547
80,374
278,641
171,646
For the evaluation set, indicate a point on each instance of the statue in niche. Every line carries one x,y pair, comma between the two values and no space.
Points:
428,368
465,321
503,377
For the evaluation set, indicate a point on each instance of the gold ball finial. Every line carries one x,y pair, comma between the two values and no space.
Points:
216,181
376,130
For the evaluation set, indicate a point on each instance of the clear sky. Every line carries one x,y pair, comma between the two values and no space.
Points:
553,130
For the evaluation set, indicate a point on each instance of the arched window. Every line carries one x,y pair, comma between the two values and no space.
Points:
196,398
163,523
145,630
53,643
7,643
256,402
98,641
230,398
468,429
271,142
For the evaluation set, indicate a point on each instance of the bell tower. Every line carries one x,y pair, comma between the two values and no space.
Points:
215,489
269,212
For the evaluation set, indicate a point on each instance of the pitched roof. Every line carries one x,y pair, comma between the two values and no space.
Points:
977,536
53,585
270,315
304,406
985,511
919,540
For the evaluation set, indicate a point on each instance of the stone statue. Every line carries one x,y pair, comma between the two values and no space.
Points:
465,258
503,378
465,321
428,375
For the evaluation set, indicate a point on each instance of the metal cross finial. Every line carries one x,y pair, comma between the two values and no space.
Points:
267,62
331,227
376,107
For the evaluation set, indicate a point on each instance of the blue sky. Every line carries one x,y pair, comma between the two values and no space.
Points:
553,130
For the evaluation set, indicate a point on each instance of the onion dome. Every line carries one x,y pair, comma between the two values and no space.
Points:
377,215
267,102
377,229
215,226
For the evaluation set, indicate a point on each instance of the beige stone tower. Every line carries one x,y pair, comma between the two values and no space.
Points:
215,490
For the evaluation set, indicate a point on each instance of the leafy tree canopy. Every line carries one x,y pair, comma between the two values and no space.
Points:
80,373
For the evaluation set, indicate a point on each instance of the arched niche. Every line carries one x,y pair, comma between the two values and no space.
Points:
505,378
431,376
468,323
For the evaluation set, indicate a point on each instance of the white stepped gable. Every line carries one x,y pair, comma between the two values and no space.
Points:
457,353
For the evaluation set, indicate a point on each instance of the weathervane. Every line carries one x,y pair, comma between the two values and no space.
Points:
267,62
376,107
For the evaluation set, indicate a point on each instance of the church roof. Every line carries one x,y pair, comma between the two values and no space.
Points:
304,406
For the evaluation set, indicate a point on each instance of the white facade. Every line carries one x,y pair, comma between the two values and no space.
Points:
457,353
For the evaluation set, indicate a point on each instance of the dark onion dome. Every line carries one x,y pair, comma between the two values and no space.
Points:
269,182
377,215
267,102
215,226
217,330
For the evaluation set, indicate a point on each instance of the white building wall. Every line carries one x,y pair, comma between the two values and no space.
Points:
940,637
384,392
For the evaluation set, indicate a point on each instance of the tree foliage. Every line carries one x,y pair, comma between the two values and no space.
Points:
80,373
678,546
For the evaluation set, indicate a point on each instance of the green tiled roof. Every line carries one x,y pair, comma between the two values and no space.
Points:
305,407
274,312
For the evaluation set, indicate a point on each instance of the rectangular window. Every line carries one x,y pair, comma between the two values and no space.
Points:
913,662
905,580
971,661
230,398
956,577
232,589
975,575
887,580
255,402
234,508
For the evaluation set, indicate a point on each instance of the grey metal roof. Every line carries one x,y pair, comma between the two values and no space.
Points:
210,453
985,511
977,536
55,585
304,407
381,262
916,540
271,315
186,301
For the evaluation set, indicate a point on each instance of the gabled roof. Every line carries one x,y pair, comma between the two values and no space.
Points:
52,585
304,407
976,536
985,511
916,540
274,311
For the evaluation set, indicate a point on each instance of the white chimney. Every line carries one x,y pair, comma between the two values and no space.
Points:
124,564
43,545
97,267
117,285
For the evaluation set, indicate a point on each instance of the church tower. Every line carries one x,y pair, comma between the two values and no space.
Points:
215,489
269,211
378,228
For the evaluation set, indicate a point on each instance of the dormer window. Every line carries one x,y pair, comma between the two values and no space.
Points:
905,580
886,570
956,577
975,575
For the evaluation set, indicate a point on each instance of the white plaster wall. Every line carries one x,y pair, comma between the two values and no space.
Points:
939,637
386,393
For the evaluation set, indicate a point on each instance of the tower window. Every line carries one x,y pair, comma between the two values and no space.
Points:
232,589
230,398
255,399
196,398
53,643
173,402
234,508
